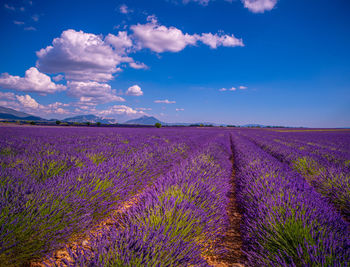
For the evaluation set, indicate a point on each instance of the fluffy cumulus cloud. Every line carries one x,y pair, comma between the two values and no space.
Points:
160,38
166,101
57,108
243,87
33,81
134,90
84,56
120,110
7,96
58,78
120,42
93,92
259,6
138,66
30,105
86,62
28,102
215,40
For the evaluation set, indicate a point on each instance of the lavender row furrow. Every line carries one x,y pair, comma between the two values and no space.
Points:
329,178
176,223
285,222
57,185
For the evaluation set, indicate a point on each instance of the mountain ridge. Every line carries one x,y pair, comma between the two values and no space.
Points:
89,118
12,114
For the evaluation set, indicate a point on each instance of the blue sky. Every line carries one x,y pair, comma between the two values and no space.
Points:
276,62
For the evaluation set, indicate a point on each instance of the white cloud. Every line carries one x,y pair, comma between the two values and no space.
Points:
243,87
143,109
137,65
58,77
160,38
7,96
57,108
134,90
18,22
93,92
229,89
8,7
215,40
84,56
120,110
30,105
180,109
166,101
27,101
124,9
255,6
33,81
30,28
201,2
259,6
120,42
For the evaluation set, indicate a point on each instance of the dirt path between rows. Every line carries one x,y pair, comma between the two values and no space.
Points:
232,241
83,240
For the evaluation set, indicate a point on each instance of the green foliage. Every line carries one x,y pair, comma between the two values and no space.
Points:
158,125
97,158
29,232
98,123
58,122
47,169
306,167
32,122
287,236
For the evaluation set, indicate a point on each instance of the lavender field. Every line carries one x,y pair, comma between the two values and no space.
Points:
100,196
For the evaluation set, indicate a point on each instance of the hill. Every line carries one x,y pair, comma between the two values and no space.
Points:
144,120
11,114
90,118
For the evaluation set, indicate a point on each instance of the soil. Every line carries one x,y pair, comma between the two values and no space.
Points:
83,240
232,241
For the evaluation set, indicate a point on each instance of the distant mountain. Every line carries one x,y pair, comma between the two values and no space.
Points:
253,125
144,120
90,118
11,114
150,120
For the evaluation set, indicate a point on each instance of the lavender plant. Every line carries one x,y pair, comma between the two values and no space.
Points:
176,221
285,222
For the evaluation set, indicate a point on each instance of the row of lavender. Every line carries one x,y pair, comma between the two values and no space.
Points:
177,221
55,184
285,221
322,158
